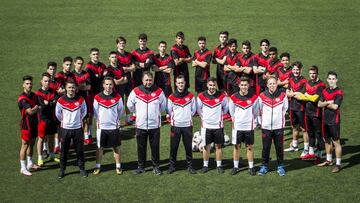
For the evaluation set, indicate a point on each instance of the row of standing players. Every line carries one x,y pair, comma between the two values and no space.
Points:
127,69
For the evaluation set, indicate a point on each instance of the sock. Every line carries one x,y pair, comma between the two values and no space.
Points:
295,143
56,142
167,116
338,161
251,164
29,161
23,164
97,165
118,165
206,163
218,163
329,157
311,150
306,146
39,157
45,146
236,164
90,130
86,135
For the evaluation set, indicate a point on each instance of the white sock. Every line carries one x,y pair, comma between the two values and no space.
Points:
251,164
86,135
39,157
29,161
236,164
306,146
97,165
328,157
295,143
56,142
90,130
118,165
167,116
218,163
206,163
338,161
311,150
45,146
23,164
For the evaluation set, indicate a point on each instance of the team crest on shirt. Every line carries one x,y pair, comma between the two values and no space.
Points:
277,99
112,101
217,100
187,99
76,103
248,101
153,94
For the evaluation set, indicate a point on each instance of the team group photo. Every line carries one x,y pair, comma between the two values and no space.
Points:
150,106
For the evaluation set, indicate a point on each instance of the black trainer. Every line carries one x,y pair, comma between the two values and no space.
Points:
234,171
252,171
191,170
139,170
171,170
204,169
157,171
83,173
61,174
220,169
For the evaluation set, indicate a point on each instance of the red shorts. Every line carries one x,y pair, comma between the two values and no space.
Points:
28,129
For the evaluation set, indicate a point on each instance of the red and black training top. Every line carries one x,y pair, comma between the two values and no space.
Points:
140,56
232,59
125,60
283,74
330,116
201,74
314,87
95,71
248,60
81,78
220,52
163,79
177,52
273,65
62,77
46,111
26,101
297,84
116,73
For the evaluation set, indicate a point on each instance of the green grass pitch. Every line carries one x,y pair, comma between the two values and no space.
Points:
325,33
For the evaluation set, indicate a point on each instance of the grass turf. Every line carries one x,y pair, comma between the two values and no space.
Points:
315,32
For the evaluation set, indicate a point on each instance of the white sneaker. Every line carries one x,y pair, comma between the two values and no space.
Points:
32,167
292,149
25,172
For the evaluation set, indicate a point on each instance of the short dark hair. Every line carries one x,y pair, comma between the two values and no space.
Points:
211,79
112,52
51,63
180,77
202,38
107,78
120,39
79,58
332,73
67,58
266,41
285,54
247,43
224,33
70,82
245,78
94,50
27,77
297,64
162,42
180,34
273,49
148,73
45,75
314,68
232,41
142,36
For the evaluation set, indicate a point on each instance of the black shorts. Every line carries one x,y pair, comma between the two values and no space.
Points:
331,131
245,136
108,138
220,77
213,135
297,118
46,127
200,85
166,89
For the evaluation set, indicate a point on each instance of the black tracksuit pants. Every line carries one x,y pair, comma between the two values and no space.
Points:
175,137
77,135
313,127
276,136
154,139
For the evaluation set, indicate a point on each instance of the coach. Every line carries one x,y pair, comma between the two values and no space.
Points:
147,101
